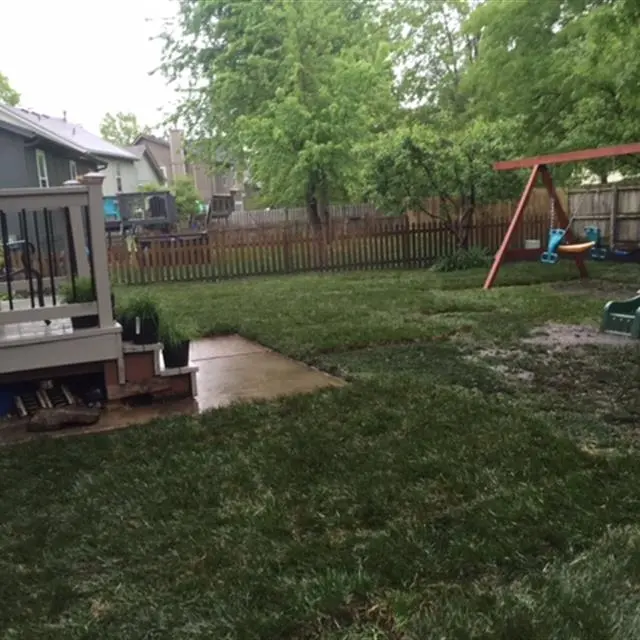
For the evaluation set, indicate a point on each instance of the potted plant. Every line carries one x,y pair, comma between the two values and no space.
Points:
143,310
126,321
81,293
175,336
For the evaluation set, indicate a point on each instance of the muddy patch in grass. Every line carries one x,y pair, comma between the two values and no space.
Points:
584,381
557,337
504,362
598,289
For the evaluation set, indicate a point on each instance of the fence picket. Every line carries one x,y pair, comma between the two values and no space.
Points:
374,243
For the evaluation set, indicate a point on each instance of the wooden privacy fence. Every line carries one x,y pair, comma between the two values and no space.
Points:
615,210
538,206
232,253
284,215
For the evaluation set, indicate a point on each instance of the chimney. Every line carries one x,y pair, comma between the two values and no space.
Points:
177,153
64,116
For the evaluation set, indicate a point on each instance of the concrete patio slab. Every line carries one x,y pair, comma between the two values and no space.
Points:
261,375
224,347
230,369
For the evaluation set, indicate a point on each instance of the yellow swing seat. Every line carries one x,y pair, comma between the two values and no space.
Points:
575,248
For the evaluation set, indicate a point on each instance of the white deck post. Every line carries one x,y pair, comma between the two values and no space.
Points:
98,248
78,237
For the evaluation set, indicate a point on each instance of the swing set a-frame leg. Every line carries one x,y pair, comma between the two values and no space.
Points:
544,173
513,225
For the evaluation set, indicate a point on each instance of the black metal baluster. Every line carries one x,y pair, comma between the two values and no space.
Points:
6,252
48,232
36,229
26,254
72,251
92,267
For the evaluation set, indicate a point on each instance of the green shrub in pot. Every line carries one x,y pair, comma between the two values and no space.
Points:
82,292
143,311
176,335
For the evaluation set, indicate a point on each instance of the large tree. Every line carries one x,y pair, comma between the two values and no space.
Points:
121,128
435,52
296,89
570,68
8,94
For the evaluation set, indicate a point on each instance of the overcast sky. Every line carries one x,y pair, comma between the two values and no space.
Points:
86,58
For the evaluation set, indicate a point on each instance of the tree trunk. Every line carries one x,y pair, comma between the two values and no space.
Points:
314,215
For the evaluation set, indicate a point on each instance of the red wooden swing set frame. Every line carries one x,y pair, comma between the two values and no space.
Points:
539,168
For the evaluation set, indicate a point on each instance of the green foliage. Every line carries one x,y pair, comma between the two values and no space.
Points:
296,88
569,68
121,128
143,305
448,161
84,291
175,329
187,197
433,50
152,187
462,259
8,94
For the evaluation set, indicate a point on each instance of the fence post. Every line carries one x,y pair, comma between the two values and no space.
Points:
613,217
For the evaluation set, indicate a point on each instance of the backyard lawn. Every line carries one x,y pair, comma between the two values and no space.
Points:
465,484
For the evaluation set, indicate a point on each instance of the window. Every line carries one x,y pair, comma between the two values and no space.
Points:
73,170
41,166
118,178
163,171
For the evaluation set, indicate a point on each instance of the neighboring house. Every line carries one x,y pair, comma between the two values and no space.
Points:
147,169
159,150
33,156
171,158
118,165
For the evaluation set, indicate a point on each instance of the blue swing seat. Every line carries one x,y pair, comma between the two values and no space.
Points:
550,256
598,252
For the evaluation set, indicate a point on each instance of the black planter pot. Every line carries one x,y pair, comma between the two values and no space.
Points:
145,331
128,329
85,322
176,355
89,322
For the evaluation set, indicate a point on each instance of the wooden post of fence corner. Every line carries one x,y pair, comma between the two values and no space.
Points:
98,248
613,217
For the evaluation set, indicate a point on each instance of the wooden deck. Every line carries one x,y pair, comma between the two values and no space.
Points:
27,346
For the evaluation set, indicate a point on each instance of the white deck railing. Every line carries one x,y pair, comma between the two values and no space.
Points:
84,254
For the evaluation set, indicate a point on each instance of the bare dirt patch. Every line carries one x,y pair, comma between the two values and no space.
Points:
501,361
598,289
555,337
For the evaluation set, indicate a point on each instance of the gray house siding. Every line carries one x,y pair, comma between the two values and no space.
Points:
18,170
58,168
13,166
161,154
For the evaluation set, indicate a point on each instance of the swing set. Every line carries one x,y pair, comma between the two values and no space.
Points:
561,240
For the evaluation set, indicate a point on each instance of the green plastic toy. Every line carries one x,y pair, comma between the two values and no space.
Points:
622,317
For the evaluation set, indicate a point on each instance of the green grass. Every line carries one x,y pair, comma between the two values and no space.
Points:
433,497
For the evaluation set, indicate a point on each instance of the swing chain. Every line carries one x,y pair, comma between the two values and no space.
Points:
552,213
